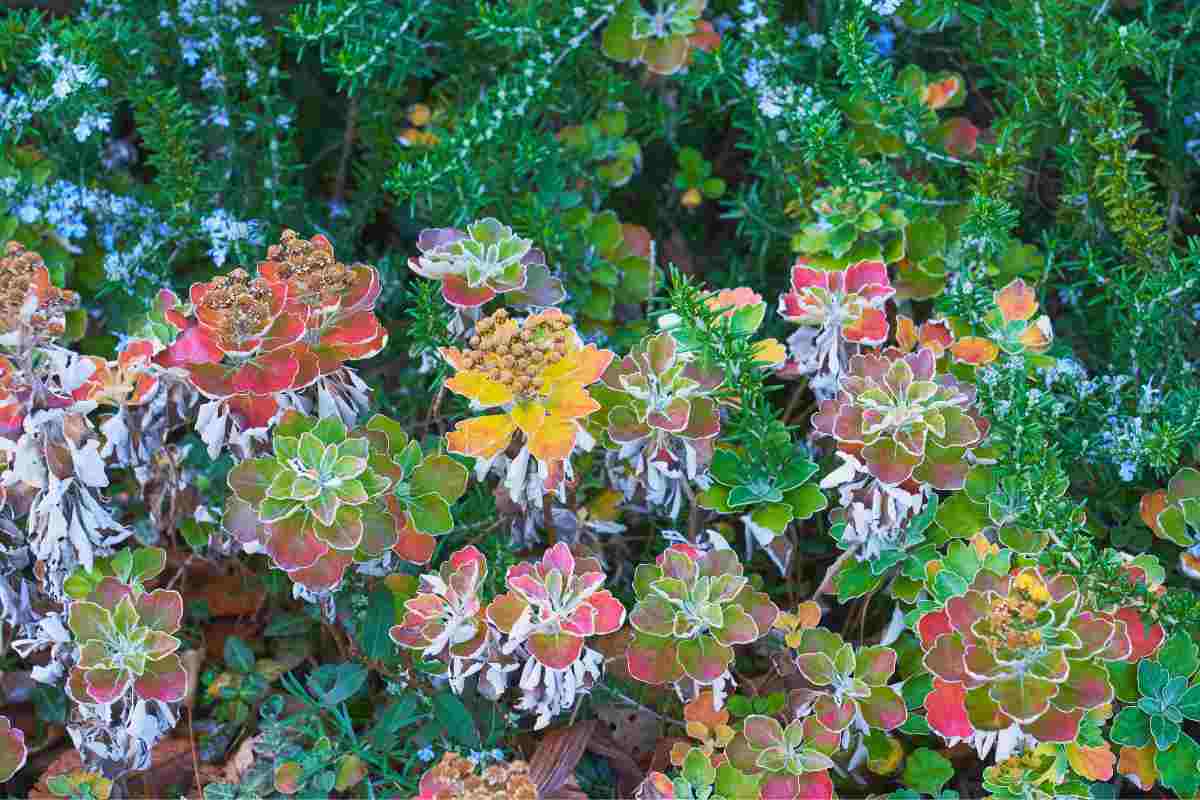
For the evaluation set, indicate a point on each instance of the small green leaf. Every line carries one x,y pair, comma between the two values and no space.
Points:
926,771
238,655
380,617
458,722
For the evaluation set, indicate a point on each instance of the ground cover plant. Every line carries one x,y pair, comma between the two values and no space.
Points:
656,399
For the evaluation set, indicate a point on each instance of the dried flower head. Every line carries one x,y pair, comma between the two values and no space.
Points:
454,777
28,297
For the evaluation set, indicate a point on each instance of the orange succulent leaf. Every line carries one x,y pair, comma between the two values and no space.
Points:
529,417
571,401
554,440
1093,763
1037,337
769,352
481,437
1137,764
975,350
480,388
1151,506
702,710
939,94
906,333
1017,301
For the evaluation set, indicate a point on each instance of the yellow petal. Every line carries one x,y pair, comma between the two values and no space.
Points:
481,437
528,417
769,352
570,400
554,440
480,388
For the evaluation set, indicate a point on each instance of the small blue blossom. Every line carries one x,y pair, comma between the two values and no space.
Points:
884,40
425,754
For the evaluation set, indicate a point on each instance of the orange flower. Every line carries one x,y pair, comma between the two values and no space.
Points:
535,372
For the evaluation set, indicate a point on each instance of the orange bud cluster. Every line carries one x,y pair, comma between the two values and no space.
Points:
309,268
454,777
515,354
243,305
22,272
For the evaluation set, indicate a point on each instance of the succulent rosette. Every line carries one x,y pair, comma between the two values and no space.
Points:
126,641
1020,649
852,687
834,307
446,618
327,497
906,421
555,605
483,261
692,609
339,299
535,372
793,761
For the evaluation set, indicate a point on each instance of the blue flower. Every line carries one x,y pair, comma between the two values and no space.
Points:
884,40
425,754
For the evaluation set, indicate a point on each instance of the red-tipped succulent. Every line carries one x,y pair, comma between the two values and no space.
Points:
126,644
446,619
793,761
1021,649
852,687
692,609
483,261
906,421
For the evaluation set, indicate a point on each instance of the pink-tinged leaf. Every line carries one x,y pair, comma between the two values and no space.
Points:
610,614
268,373
983,712
946,709
889,462
460,294
580,622
704,659
325,575
869,279
660,353
652,660
352,329
164,680
465,556
804,277
1023,697
1144,638
875,665
762,731
814,786
833,715
559,557
870,328
654,616
505,610
193,346
1055,725
1017,301
413,546
287,328
105,686
289,774
556,650
739,627
884,709
252,411
932,625
816,667
959,136
12,749
1086,687
759,606
160,610
214,381
964,611
89,621
292,545
672,419
704,420
1093,631
346,532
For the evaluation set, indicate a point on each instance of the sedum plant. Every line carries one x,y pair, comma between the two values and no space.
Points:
327,497
1021,649
126,645
13,751
851,686
446,619
906,421
691,610
791,761
551,609
487,259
